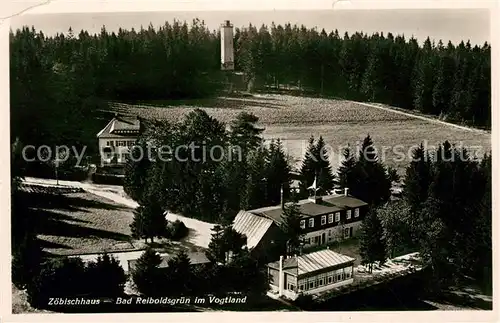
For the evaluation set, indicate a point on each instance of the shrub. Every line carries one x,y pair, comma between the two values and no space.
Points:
176,230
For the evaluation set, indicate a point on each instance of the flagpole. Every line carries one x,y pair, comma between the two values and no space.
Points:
315,186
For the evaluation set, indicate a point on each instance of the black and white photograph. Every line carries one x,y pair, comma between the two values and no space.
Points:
250,161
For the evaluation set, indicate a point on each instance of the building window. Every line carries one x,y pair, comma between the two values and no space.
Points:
356,213
316,239
329,232
323,220
302,224
301,288
321,282
338,277
348,275
311,222
291,287
348,216
337,217
311,285
346,233
330,279
330,218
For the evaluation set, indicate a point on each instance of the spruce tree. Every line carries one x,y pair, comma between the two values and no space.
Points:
149,218
372,242
179,275
418,178
308,169
137,171
146,274
347,176
106,276
323,168
277,173
373,184
290,225
256,186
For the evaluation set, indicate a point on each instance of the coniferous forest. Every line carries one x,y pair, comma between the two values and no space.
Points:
61,86
61,81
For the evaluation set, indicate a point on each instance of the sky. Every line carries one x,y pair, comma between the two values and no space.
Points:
445,24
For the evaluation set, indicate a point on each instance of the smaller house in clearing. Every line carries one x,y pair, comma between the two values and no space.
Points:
195,259
310,273
116,138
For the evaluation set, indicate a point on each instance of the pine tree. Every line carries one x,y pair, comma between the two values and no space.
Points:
277,173
225,241
290,225
373,184
136,172
323,168
372,243
146,273
179,275
256,186
106,276
149,217
308,169
418,178
347,171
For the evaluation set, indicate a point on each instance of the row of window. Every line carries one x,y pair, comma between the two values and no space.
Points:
321,280
123,156
330,218
317,239
120,143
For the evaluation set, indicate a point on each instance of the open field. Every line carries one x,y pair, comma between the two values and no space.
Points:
100,207
295,119
81,222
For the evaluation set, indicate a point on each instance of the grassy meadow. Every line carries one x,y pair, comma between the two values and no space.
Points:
294,119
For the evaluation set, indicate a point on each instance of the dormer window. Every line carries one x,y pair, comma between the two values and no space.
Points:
337,216
348,216
323,220
302,224
356,213
311,222
330,218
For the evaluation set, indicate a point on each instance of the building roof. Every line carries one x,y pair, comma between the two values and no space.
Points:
120,126
254,227
329,204
345,201
195,258
312,262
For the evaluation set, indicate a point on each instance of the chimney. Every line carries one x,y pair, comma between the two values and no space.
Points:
316,199
281,278
345,191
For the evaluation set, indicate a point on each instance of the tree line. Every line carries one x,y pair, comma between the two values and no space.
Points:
451,81
444,213
60,85
211,172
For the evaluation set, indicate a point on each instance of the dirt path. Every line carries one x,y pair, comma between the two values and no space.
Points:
429,119
199,231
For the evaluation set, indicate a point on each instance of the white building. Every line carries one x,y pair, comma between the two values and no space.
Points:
227,46
324,219
311,273
116,138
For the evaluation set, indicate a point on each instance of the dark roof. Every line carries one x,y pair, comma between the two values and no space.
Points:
120,126
254,227
195,258
308,208
312,262
345,201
